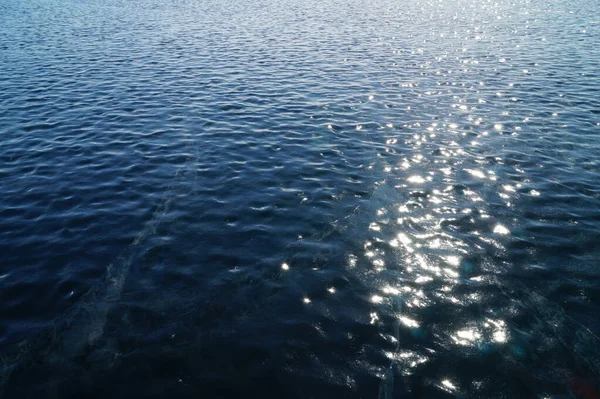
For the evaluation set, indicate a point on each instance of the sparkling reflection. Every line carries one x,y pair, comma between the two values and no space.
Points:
426,243
500,229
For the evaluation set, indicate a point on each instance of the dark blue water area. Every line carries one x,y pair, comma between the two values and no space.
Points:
303,199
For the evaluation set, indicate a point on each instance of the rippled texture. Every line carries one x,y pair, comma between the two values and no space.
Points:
307,199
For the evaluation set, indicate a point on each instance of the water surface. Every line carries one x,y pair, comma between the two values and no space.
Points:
309,199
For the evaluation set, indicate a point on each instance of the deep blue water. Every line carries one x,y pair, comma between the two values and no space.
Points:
299,199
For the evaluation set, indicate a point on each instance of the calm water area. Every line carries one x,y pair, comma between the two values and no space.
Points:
299,199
